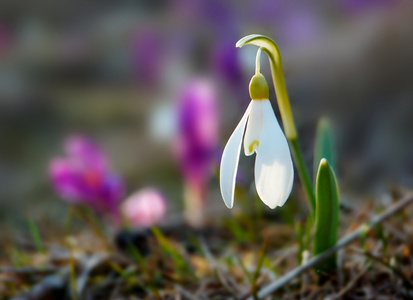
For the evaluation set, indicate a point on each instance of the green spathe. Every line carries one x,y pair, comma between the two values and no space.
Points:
327,215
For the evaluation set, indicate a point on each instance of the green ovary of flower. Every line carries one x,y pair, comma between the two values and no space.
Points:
259,87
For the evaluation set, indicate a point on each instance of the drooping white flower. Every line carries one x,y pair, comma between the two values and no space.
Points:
274,173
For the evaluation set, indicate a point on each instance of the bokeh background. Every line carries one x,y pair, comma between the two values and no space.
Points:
115,72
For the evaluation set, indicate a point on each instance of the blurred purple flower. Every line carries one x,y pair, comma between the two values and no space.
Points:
300,26
219,14
146,54
295,22
198,124
227,63
144,208
197,142
83,176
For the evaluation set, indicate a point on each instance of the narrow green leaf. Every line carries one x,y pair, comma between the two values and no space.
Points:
35,235
181,263
323,147
327,215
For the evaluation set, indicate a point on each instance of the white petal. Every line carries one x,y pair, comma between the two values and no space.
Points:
229,161
274,173
253,130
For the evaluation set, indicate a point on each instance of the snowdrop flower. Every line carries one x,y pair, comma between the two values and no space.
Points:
274,172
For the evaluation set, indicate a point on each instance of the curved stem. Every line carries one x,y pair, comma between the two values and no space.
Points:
257,61
270,47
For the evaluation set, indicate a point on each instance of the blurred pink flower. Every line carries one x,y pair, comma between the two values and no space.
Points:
198,125
197,143
144,208
83,176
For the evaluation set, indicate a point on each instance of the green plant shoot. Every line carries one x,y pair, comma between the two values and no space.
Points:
327,215
323,146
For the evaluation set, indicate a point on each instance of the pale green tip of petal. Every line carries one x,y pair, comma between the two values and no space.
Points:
323,162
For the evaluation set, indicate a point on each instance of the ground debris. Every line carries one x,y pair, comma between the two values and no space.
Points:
184,263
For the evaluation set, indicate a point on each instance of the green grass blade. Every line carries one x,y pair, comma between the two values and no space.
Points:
323,147
35,235
183,266
327,215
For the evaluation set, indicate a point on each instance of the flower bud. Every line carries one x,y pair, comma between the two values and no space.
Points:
259,87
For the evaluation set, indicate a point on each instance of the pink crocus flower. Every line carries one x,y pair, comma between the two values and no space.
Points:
144,208
83,176
197,143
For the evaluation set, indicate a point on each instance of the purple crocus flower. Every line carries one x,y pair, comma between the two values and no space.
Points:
198,124
84,176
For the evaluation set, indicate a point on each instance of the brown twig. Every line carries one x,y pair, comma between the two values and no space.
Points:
340,244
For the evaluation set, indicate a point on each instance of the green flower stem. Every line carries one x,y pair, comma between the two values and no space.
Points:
303,173
270,47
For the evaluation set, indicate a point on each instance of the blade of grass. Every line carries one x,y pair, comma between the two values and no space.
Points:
72,275
240,234
261,258
244,268
384,239
35,235
89,217
406,282
180,262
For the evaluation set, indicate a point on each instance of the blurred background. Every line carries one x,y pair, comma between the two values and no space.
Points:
118,73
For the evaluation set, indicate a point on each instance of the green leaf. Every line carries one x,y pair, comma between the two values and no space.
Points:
35,235
323,147
327,215
182,265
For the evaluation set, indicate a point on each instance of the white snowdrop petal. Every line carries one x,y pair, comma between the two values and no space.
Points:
274,173
229,161
253,130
